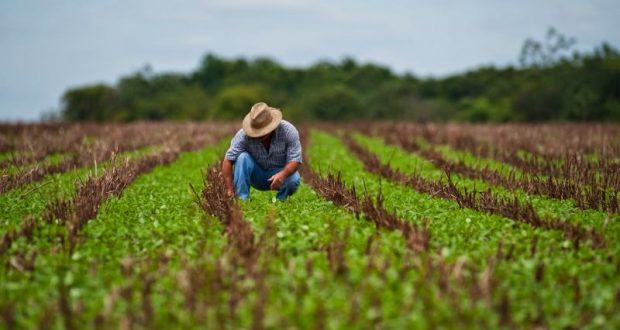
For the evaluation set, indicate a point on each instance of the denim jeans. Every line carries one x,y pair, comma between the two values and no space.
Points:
248,173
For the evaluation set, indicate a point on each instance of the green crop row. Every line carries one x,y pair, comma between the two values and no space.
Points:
563,210
152,259
154,214
306,225
472,161
32,198
475,236
49,160
370,288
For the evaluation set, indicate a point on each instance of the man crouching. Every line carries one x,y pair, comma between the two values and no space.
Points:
265,152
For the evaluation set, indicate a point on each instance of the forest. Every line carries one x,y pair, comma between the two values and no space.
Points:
552,81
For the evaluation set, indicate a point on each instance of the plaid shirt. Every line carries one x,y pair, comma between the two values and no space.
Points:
284,148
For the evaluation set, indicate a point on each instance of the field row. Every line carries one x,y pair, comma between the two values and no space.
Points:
358,244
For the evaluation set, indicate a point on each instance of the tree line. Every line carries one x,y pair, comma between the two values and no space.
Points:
551,82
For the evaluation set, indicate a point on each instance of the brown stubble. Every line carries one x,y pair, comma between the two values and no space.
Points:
245,257
587,192
108,141
485,201
556,168
74,213
453,278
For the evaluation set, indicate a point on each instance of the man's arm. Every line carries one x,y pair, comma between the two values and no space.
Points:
293,158
278,179
227,166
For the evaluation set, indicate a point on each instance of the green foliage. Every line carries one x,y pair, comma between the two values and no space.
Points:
156,214
397,100
470,235
89,103
234,102
481,109
33,198
301,235
138,97
550,84
151,258
544,206
337,102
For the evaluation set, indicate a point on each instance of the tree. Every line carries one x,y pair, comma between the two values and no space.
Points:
235,102
547,85
90,103
548,52
214,71
336,102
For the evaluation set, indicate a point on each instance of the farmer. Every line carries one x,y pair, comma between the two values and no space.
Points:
266,153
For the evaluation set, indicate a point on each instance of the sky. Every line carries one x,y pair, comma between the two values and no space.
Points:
47,46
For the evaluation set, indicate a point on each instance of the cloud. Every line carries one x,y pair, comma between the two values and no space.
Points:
47,47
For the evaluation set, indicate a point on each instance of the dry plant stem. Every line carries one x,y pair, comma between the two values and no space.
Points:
244,250
187,137
91,193
485,201
586,196
332,188
95,190
554,150
587,192
217,203
25,230
449,276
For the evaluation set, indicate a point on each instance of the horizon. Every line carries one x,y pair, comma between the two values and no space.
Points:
45,54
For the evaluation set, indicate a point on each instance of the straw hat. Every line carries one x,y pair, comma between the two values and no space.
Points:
261,120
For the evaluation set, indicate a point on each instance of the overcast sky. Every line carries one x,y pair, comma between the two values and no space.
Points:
48,46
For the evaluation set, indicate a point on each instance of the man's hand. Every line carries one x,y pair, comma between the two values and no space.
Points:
277,180
228,177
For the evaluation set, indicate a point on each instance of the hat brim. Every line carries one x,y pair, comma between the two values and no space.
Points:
276,116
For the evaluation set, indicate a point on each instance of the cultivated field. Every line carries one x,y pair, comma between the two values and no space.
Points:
395,226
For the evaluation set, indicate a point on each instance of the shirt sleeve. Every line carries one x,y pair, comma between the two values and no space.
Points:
237,146
293,146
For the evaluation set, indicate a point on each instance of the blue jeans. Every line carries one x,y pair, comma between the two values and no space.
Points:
248,173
